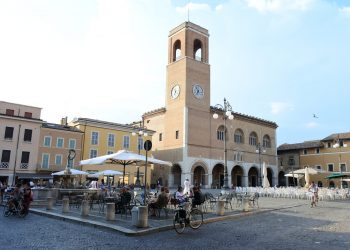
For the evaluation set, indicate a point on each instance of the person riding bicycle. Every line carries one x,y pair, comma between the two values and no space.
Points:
180,196
27,197
16,196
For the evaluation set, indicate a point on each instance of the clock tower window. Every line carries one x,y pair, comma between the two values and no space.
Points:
197,50
177,50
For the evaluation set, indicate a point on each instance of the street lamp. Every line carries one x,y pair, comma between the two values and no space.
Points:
141,132
227,114
340,144
260,149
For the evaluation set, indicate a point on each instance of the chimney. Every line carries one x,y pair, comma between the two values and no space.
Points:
64,121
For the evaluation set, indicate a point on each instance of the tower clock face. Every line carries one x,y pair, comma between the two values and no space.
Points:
175,91
198,91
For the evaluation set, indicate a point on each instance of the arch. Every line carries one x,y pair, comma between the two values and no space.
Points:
197,50
253,175
270,175
282,179
239,136
237,176
266,141
319,184
331,184
218,176
176,171
253,139
199,176
176,50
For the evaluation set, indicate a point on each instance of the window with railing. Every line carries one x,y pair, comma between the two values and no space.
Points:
5,158
25,160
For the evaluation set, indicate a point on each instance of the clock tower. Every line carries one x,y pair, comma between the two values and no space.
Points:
188,70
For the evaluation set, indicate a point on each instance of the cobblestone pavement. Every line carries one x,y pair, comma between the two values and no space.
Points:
300,227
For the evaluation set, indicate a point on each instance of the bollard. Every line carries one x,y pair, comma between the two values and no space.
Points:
49,203
65,205
143,217
220,207
246,204
85,208
134,216
110,214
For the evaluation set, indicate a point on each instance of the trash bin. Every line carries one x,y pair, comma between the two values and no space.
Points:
134,216
143,216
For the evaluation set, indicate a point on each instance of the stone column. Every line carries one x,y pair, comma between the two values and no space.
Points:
85,208
110,214
220,207
49,203
65,205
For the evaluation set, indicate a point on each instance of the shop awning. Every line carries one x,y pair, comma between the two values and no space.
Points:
337,175
34,176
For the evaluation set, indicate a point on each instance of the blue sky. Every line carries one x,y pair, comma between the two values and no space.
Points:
280,60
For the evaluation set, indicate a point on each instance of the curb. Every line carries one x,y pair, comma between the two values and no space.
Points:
146,231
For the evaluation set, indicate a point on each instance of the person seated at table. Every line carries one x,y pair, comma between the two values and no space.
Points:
159,203
197,197
125,198
180,196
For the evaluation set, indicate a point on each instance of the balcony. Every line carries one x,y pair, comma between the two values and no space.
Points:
4,165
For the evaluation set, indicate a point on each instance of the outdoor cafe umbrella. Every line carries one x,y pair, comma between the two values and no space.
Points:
266,182
307,177
107,172
303,170
72,172
123,157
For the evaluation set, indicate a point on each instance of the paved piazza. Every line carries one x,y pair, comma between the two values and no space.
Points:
296,227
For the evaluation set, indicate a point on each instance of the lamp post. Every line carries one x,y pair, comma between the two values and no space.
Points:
227,114
291,163
340,144
260,149
141,132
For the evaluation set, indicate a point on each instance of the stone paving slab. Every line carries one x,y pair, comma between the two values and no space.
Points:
155,224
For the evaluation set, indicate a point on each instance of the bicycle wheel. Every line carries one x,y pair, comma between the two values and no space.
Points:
179,223
22,212
196,218
7,211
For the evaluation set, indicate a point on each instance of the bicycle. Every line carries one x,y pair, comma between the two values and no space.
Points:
18,210
187,215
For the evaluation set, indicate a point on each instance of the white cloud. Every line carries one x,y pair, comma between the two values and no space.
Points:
219,7
280,107
279,5
345,10
193,6
311,125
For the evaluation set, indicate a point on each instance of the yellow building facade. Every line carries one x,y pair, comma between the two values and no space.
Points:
328,156
102,138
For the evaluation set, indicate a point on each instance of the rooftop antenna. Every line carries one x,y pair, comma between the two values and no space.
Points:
188,10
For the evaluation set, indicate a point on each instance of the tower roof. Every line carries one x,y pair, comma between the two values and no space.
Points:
189,25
